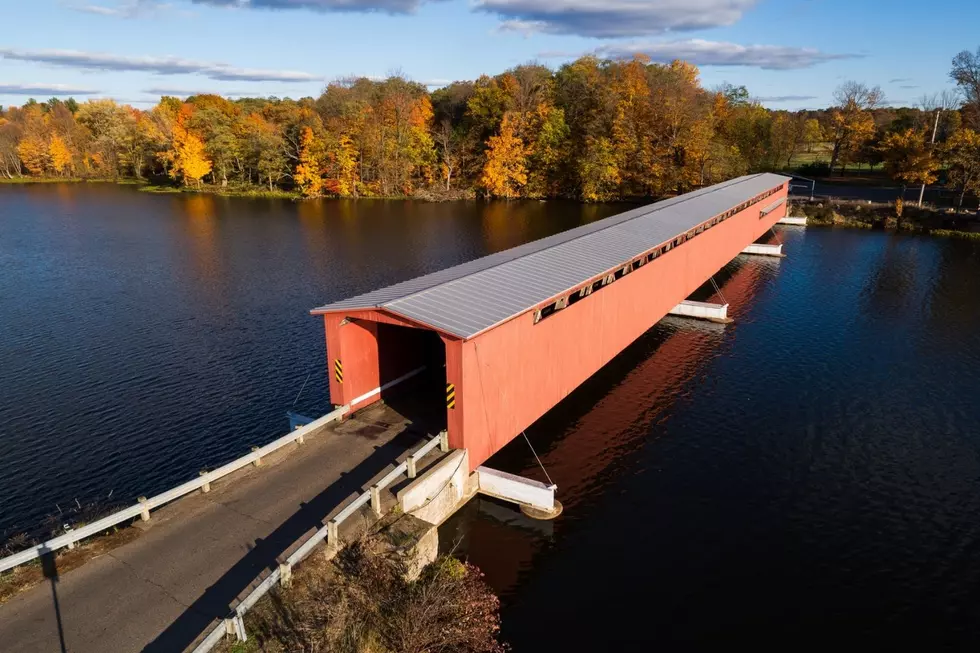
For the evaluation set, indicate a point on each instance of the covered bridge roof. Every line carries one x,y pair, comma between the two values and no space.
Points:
467,299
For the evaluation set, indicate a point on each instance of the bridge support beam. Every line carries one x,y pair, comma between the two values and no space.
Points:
794,221
764,250
717,313
536,499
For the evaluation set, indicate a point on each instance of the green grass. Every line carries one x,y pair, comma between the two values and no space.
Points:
72,180
228,191
952,233
40,180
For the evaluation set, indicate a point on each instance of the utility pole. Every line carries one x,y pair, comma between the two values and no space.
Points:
935,128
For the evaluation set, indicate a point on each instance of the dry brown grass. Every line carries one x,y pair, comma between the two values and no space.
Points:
362,602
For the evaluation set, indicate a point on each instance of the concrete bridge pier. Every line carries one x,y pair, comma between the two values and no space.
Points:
760,249
535,499
799,221
717,313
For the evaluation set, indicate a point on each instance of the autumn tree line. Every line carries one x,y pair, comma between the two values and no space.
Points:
592,130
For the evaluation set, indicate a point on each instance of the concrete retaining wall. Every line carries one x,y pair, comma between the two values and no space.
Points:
437,494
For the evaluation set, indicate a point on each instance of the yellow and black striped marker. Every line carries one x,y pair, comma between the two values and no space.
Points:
338,370
450,396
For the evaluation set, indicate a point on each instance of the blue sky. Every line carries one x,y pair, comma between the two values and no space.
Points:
789,53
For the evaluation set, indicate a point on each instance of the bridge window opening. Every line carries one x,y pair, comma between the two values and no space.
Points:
422,398
583,292
579,295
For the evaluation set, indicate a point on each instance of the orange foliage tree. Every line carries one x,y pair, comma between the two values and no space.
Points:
187,155
307,176
505,170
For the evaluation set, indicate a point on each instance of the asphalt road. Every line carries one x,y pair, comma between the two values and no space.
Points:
886,194
197,556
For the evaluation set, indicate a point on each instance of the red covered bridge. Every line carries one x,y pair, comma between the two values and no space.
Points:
517,331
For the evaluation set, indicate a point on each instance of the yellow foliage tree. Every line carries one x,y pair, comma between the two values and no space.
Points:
631,126
307,176
60,156
190,163
33,151
908,158
812,133
962,157
598,173
342,163
505,171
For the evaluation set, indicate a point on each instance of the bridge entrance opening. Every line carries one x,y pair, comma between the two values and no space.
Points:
421,399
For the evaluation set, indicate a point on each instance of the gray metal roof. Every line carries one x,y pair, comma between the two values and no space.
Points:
468,299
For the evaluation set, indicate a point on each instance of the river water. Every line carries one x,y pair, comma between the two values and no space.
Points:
809,475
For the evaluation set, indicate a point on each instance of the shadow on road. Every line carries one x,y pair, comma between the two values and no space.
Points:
217,600
49,567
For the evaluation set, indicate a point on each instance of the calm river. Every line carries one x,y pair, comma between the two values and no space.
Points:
808,476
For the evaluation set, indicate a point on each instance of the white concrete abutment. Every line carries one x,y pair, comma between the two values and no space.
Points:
793,221
702,311
760,249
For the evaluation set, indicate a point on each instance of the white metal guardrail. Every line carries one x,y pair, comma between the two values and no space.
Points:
235,624
144,506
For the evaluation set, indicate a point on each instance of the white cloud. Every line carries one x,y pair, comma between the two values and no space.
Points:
386,6
614,18
778,99
155,65
187,92
720,53
127,9
45,90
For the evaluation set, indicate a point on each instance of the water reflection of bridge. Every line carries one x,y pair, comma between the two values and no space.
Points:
587,437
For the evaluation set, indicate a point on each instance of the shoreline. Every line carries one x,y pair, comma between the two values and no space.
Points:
883,217
818,214
252,192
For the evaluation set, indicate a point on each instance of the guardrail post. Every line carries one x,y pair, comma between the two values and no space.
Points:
444,441
145,514
300,439
240,627
207,484
412,471
285,574
333,534
69,529
258,461
376,500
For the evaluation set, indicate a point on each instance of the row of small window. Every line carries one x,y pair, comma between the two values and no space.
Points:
636,264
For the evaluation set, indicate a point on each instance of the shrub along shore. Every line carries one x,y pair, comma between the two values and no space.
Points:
868,215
